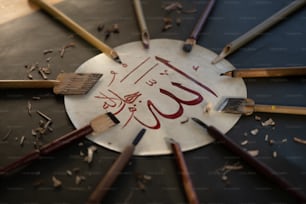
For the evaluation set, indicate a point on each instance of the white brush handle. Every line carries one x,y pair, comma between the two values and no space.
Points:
28,83
280,109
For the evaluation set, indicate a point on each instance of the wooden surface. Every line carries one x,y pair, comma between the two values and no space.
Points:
12,9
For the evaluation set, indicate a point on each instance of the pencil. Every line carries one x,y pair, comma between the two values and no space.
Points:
77,29
191,40
187,183
260,28
252,161
266,72
114,171
145,36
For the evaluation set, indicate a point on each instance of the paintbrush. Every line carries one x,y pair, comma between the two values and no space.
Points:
247,106
114,171
57,14
191,40
252,161
65,83
187,183
98,125
266,72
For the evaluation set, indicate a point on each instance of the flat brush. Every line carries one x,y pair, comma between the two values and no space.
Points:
247,106
187,183
266,72
97,125
114,171
252,161
65,83
191,40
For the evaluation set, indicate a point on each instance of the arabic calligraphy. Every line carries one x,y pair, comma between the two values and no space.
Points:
135,101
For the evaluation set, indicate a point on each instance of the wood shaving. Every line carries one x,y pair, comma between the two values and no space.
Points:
268,122
29,108
56,182
48,51
245,142
258,118
63,49
274,154
90,152
299,140
266,137
207,107
22,140
79,179
69,173
173,6
7,135
254,131
253,153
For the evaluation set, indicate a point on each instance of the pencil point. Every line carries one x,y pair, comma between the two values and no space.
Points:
187,47
145,38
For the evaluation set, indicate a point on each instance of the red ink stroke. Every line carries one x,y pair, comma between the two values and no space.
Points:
113,78
152,107
115,101
133,70
149,70
167,63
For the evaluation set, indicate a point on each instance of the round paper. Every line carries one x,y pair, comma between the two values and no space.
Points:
158,89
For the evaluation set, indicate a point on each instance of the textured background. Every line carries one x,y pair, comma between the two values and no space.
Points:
23,40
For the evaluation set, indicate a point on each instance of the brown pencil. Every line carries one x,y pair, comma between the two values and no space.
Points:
114,171
53,11
252,161
187,183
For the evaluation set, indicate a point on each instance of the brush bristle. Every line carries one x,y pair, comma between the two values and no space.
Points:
139,137
232,105
75,83
113,117
187,47
103,122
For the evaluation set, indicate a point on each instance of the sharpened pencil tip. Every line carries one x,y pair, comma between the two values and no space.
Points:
117,59
139,137
187,47
199,122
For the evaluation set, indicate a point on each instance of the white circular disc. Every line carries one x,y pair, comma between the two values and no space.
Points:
159,89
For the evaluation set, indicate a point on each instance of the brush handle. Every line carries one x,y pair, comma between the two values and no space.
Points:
75,27
187,183
201,21
105,184
47,149
280,109
257,164
28,83
269,72
65,139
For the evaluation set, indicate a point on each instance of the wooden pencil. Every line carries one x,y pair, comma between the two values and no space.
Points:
260,28
181,163
114,171
77,29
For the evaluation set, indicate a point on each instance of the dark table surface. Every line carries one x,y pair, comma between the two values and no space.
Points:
23,41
